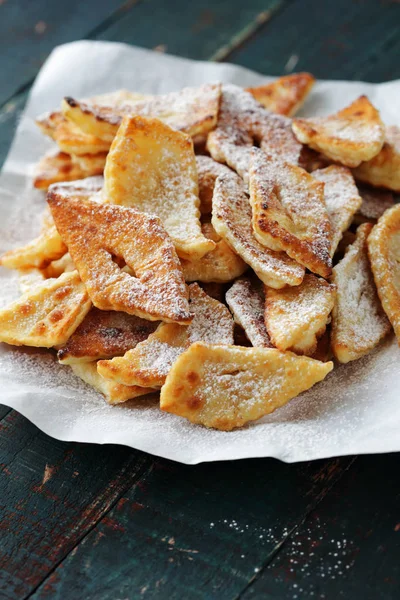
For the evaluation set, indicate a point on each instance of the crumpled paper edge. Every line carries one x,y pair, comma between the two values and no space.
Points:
29,403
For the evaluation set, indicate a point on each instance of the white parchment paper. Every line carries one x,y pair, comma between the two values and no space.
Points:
355,410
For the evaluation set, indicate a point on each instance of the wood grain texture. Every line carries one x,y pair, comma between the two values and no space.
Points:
82,521
30,29
52,493
198,31
192,29
9,116
345,39
193,532
4,410
348,547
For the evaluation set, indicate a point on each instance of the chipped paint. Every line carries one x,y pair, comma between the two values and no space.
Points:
40,27
48,474
244,34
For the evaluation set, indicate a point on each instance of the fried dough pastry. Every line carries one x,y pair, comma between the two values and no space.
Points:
114,393
297,317
68,137
219,266
384,254
208,170
81,113
350,136
383,170
358,321
232,221
90,164
244,123
374,203
191,110
42,250
150,362
289,212
48,252
246,300
94,233
29,278
105,334
152,168
88,187
342,199
65,264
285,95
55,167
227,386
46,315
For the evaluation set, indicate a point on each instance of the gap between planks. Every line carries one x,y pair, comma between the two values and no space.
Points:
247,32
148,465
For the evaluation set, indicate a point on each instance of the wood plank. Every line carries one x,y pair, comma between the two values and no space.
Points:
205,31
383,63
30,30
192,29
4,410
193,532
52,494
9,115
348,547
333,40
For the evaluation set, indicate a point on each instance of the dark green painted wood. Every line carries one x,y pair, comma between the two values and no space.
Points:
4,410
349,39
193,532
9,115
29,29
349,547
52,493
383,62
197,30
192,29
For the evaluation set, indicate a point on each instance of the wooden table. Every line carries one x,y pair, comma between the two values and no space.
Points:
84,521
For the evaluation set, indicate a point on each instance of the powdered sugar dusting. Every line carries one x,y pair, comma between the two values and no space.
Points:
153,169
359,322
350,136
212,322
289,212
341,198
150,361
94,232
247,302
208,170
193,110
297,316
244,123
374,202
232,221
82,187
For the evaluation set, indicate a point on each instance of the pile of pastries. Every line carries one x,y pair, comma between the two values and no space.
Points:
209,245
